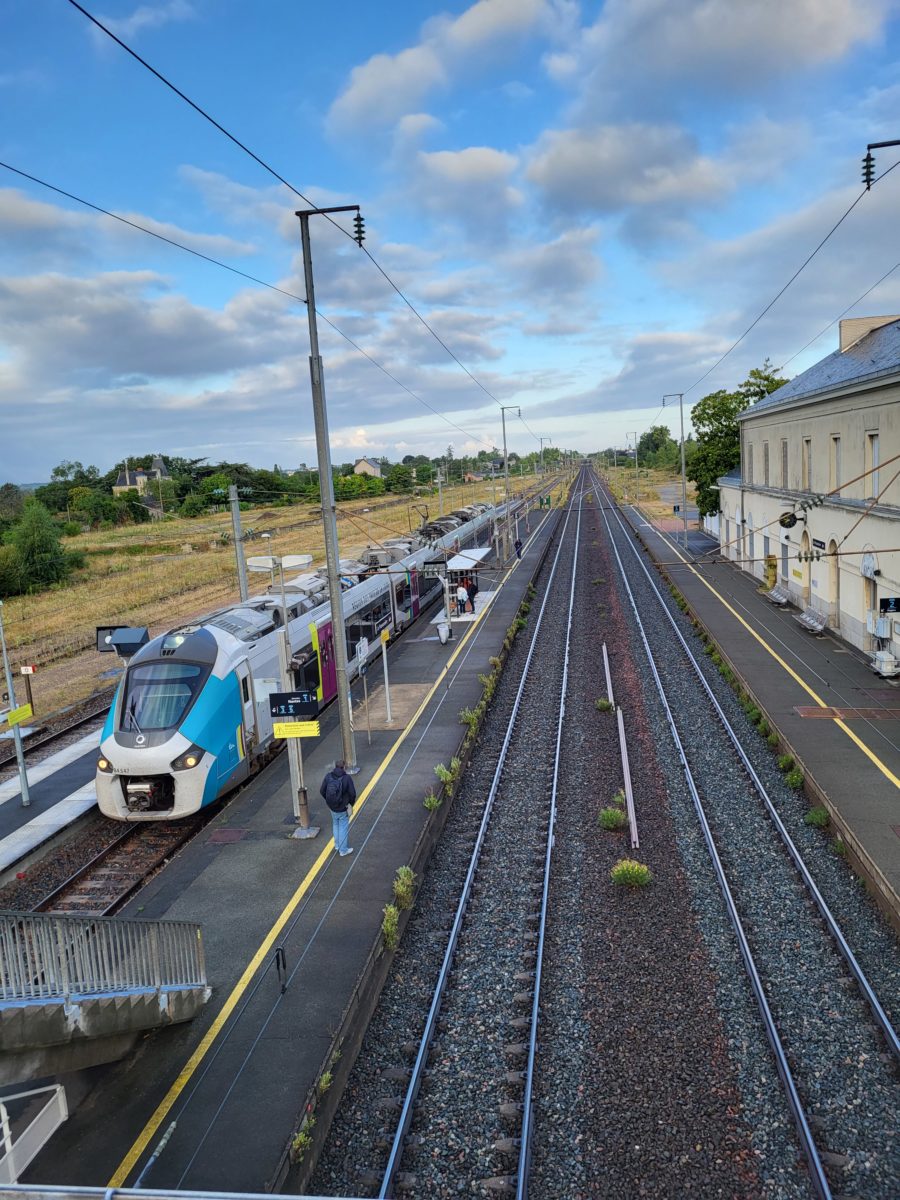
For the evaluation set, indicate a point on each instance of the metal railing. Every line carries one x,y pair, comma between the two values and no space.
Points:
44,957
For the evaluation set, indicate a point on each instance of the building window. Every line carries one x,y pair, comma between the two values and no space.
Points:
871,488
766,463
749,479
806,485
834,468
784,560
784,463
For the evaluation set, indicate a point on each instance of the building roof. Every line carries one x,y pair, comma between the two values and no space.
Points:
732,479
373,462
876,354
129,478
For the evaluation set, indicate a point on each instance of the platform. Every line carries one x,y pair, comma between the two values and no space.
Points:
819,692
235,1079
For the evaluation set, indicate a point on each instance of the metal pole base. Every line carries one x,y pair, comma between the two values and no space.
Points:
354,770
304,835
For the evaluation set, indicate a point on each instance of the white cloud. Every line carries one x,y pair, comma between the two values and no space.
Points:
472,187
387,86
612,167
147,16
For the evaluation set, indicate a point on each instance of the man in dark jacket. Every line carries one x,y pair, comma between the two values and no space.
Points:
339,793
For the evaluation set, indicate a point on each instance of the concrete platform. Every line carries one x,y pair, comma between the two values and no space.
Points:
851,760
235,1079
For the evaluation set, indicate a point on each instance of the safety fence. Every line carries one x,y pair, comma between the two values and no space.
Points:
57,957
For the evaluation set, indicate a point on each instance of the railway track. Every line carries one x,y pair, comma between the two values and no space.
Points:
835,1049
41,738
482,1110
102,885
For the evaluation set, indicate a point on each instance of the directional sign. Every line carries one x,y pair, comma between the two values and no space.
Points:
296,729
298,704
27,670
362,649
16,716
676,508
889,604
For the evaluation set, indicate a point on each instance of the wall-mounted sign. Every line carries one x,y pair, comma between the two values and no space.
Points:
889,604
819,545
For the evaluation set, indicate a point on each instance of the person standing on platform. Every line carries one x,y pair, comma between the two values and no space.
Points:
518,546
461,597
472,590
339,793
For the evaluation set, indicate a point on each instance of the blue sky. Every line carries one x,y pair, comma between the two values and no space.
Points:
587,202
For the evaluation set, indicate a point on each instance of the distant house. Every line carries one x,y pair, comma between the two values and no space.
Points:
367,466
141,480
471,477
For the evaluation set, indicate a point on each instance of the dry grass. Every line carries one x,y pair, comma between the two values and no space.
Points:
622,483
56,630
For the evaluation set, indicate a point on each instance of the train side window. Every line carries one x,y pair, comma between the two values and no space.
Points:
307,676
245,689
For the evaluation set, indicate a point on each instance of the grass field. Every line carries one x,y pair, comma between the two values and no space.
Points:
625,487
158,575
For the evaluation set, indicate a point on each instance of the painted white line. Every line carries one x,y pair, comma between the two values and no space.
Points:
55,762
40,829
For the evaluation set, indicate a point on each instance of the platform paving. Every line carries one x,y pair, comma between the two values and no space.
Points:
859,779
236,1110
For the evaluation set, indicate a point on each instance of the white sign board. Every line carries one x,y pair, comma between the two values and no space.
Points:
362,649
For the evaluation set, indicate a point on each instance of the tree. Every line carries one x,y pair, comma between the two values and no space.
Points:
715,420
657,448
12,501
399,479
40,555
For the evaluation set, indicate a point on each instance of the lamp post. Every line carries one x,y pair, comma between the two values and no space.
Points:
299,795
671,396
17,733
326,484
637,479
504,409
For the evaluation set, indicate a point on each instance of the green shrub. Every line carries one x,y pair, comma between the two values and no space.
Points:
785,762
447,775
469,717
763,728
630,873
840,847
603,705
612,819
404,886
71,528
772,739
618,798
818,817
432,802
794,778
753,714
325,1081
390,926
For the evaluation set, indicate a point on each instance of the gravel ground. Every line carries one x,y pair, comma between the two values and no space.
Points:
654,1078
835,1053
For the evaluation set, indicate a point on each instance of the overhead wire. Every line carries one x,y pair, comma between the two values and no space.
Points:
281,179
244,275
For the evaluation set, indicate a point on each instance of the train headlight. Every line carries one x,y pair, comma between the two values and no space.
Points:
190,758
104,765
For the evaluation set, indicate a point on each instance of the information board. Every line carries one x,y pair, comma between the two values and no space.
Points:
296,705
295,729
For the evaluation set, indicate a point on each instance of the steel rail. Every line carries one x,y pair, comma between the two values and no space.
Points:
817,1171
866,989
36,740
79,873
527,1126
418,1069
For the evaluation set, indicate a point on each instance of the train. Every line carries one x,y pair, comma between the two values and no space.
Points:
191,718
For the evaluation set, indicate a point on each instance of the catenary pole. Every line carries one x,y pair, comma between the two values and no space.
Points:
326,491
504,409
17,733
637,478
238,540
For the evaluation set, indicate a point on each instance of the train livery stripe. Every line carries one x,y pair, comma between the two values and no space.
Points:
314,631
239,735
130,1160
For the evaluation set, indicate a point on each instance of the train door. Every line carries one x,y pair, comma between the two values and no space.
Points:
248,709
326,658
414,592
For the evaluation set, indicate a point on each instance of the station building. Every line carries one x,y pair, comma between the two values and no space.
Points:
825,450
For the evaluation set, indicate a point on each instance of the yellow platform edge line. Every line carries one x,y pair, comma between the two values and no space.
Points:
857,741
128,1163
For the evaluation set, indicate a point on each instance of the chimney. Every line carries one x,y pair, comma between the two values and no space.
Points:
856,328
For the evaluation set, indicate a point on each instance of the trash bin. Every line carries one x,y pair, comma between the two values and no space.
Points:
443,632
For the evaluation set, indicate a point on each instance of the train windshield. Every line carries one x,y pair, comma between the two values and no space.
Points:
158,694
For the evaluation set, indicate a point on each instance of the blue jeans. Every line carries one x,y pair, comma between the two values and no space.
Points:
340,827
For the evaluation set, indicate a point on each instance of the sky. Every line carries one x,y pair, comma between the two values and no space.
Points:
571,209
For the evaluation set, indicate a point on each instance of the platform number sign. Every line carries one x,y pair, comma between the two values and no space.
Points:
293,706
889,604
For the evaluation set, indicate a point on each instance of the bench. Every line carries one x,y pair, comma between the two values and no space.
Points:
813,622
778,596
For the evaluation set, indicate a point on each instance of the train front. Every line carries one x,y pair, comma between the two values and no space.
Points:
174,732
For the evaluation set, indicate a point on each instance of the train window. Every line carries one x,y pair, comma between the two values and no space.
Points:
306,677
245,689
158,694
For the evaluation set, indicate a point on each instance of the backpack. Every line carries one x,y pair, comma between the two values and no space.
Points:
334,793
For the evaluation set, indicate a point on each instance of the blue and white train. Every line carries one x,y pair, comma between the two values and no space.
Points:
191,718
